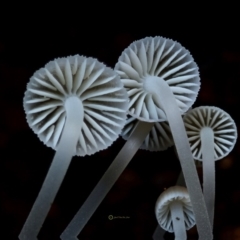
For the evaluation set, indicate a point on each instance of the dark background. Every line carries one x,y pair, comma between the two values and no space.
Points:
32,35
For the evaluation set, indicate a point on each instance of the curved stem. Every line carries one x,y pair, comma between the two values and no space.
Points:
207,141
65,150
166,99
178,220
107,181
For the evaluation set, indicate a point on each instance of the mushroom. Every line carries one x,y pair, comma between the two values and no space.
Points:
162,81
212,134
77,106
174,211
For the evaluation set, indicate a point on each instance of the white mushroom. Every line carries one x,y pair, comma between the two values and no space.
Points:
174,211
77,106
212,135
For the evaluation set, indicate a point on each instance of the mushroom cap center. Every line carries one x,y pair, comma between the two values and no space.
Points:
72,100
149,84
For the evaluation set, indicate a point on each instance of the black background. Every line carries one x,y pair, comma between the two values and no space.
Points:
32,35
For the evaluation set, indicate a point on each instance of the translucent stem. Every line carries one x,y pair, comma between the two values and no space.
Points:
178,220
107,181
207,141
66,149
166,99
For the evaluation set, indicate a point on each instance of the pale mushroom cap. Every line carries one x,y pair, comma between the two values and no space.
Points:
222,125
100,90
162,208
158,139
166,59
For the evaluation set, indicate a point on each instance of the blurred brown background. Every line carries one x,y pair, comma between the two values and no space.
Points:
32,35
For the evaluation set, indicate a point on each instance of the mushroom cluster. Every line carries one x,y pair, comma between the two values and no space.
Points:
78,106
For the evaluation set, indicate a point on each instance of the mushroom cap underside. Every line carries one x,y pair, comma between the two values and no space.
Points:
162,207
162,58
223,127
100,90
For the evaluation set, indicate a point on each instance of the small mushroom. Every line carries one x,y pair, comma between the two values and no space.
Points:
174,211
77,106
212,134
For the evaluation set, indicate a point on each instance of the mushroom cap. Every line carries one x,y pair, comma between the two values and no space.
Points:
163,58
158,139
100,90
222,125
162,207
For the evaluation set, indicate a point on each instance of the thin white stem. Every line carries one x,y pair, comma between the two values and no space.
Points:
207,141
66,149
164,95
134,142
178,220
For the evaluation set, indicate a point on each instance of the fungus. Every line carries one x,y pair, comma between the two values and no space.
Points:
212,135
160,232
174,211
77,106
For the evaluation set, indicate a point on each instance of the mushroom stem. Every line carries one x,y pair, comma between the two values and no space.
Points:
164,97
207,141
134,142
65,150
178,220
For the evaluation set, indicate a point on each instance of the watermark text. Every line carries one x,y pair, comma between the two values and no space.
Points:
111,217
